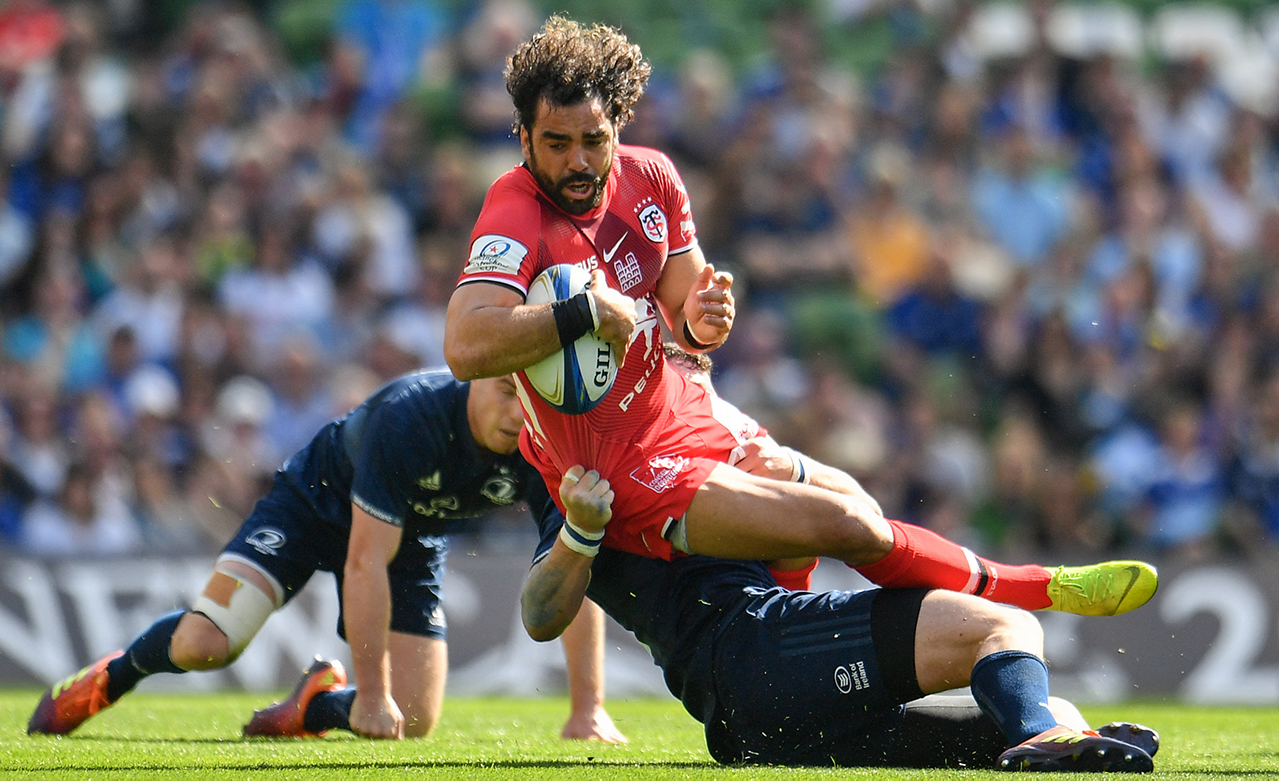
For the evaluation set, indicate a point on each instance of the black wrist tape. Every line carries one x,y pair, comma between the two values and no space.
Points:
692,341
573,318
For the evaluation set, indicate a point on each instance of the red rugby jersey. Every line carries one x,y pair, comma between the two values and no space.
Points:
643,218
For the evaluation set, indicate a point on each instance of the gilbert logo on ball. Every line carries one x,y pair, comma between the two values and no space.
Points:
576,379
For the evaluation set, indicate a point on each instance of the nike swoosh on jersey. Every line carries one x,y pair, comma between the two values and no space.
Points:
608,256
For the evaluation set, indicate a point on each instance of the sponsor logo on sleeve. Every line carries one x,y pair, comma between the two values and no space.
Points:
661,472
492,254
653,220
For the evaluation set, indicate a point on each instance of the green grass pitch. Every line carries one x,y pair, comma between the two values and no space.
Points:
197,736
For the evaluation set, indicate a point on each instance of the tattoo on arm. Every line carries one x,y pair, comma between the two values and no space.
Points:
551,598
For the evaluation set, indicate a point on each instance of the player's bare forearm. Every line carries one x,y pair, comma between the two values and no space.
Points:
696,301
584,656
553,592
557,584
490,332
584,653
366,596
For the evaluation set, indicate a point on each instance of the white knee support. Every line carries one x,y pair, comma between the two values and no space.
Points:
235,606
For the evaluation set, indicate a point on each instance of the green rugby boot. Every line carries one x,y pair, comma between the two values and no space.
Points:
1105,589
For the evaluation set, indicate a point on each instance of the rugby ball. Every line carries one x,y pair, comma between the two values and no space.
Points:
575,379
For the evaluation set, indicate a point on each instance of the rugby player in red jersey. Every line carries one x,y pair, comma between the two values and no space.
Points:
621,212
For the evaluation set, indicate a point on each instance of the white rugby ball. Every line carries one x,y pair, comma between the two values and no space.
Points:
572,380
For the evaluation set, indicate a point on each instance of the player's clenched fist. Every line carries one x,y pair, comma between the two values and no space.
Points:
376,716
588,499
616,313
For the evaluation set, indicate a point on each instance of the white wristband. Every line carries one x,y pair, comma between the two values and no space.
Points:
798,473
595,315
579,540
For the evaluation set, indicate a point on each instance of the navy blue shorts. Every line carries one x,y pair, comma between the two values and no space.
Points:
283,537
818,679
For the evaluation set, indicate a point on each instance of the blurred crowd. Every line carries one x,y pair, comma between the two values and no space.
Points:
1027,294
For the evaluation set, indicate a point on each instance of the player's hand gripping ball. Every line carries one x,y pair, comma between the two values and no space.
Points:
575,379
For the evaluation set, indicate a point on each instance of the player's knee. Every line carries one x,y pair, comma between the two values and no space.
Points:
844,530
236,607
198,644
1013,628
420,721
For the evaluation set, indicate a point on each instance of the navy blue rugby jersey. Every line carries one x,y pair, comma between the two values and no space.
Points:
676,608
407,457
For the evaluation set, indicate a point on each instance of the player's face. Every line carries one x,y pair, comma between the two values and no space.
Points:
493,410
569,150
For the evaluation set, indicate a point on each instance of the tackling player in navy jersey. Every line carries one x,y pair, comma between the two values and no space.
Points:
370,499
786,677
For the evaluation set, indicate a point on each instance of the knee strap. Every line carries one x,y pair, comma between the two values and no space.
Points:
236,607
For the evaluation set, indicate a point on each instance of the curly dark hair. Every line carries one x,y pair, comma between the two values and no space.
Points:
681,357
568,63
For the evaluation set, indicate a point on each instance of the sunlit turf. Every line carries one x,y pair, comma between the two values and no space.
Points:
198,736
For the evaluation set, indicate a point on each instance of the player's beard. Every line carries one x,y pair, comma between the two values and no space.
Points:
555,190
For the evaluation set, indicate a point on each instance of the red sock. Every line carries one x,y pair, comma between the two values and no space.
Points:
923,559
796,579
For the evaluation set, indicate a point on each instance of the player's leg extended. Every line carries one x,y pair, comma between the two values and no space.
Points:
923,559
998,651
234,605
737,515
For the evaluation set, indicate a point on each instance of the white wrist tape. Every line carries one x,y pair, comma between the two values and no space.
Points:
798,470
595,314
579,540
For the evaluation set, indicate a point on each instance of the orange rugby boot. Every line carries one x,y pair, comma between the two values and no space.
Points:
72,700
287,718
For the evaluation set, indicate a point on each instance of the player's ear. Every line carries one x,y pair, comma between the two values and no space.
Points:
526,142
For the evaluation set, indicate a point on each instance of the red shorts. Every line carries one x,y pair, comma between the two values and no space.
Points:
655,477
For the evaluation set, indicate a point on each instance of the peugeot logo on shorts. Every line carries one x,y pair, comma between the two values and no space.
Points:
267,540
843,679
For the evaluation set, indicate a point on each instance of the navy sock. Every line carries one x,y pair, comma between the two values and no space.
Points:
1012,688
329,710
146,655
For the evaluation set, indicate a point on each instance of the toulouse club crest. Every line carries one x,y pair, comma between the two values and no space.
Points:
653,221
